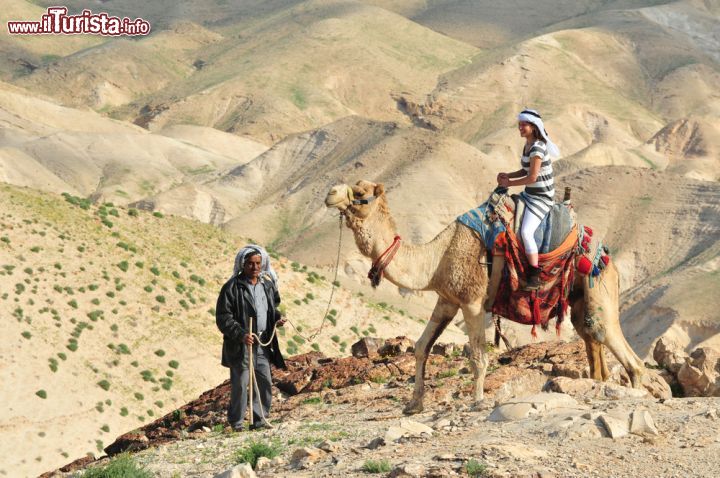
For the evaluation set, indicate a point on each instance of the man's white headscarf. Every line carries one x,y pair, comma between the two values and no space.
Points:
532,116
248,250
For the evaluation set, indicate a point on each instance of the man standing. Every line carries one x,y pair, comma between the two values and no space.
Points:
250,293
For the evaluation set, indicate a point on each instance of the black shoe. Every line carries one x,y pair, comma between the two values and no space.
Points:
238,427
533,280
260,426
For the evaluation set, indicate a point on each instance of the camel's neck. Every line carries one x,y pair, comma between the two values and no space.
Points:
413,266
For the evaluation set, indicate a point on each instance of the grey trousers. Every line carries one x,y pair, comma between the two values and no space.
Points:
239,380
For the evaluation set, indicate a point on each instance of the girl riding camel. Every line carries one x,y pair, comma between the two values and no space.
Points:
536,174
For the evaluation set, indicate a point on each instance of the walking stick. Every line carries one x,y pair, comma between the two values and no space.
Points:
251,373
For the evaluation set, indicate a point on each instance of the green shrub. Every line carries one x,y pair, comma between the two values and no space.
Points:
73,303
255,449
147,288
158,214
132,212
376,466
335,339
160,298
104,384
173,364
155,270
123,266
42,394
105,428
122,466
27,335
139,396
94,315
124,412
476,469
160,352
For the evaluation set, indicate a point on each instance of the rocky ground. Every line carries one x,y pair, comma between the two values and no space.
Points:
343,417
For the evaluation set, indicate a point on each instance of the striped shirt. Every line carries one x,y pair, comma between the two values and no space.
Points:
539,195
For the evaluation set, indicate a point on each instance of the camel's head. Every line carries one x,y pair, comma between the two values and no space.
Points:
358,200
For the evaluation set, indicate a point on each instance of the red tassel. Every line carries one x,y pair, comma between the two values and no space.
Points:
588,231
605,259
534,331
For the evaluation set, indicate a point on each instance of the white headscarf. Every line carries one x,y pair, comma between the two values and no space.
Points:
265,266
532,116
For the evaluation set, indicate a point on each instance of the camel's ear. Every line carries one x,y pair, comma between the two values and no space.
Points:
379,189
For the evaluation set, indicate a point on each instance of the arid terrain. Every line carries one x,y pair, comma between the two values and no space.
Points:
133,168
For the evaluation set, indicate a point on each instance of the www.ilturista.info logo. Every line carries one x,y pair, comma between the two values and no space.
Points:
57,22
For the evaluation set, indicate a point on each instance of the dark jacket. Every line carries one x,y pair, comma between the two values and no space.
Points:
234,305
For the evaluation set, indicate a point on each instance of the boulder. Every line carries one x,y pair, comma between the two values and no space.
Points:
243,470
406,428
669,354
397,346
294,382
367,347
408,470
445,350
132,441
699,376
523,407
655,384
617,427
642,423
305,457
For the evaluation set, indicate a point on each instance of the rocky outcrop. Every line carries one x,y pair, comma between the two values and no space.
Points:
696,375
699,376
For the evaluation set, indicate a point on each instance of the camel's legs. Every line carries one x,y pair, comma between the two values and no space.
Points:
601,321
594,349
475,321
442,315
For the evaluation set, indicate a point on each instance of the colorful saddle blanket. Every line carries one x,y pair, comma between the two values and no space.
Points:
557,272
551,232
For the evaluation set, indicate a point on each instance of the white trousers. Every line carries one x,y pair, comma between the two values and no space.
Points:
527,231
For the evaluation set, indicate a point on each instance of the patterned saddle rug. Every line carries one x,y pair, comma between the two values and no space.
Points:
491,218
498,221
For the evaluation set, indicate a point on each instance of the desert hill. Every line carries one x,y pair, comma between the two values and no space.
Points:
110,320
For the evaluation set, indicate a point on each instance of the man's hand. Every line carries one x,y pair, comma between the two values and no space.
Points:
280,323
249,340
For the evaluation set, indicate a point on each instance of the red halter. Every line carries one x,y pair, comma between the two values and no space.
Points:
378,268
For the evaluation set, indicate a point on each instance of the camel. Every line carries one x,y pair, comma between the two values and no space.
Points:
452,266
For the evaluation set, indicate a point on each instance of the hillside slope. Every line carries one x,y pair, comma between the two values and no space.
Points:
109,320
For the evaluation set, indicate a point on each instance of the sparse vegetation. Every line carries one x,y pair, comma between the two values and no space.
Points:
376,466
42,394
256,449
476,469
122,466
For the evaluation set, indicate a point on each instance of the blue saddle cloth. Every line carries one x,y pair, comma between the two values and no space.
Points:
476,220
551,232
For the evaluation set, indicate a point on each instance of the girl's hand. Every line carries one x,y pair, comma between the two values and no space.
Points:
504,181
501,177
